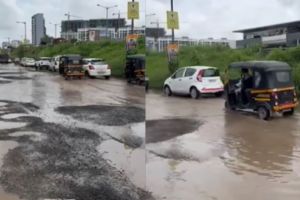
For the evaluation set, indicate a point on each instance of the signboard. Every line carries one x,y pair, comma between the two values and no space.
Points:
92,36
133,10
131,42
173,50
172,20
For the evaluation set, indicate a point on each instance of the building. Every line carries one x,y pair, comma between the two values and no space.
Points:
69,28
38,28
155,32
277,35
160,44
95,34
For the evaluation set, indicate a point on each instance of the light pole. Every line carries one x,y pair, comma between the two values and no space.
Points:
25,29
107,9
55,28
157,23
173,34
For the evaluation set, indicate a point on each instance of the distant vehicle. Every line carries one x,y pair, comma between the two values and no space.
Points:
4,58
135,69
96,67
264,87
16,61
54,64
195,81
71,66
28,62
43,63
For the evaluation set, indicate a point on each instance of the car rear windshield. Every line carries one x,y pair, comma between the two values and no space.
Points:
98,62
211,73
46,59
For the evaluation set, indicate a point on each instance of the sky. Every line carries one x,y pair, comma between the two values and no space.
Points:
54,12
198,18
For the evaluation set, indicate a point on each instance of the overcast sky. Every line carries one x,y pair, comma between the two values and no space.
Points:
54,10
199,18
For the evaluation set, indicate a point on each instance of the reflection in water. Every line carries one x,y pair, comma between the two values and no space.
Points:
263,148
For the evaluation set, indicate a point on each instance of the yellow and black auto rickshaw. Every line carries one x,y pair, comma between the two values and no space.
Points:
71,66
264,87
135,69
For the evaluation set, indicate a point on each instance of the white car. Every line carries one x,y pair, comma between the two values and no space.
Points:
54,64
28,62
43,62
96,67
194,80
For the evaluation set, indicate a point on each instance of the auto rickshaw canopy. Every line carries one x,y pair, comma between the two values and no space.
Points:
261,65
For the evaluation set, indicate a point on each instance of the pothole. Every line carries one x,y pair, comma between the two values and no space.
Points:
166,129
105,115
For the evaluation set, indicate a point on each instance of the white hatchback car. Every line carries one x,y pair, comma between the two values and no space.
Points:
194,80
96,67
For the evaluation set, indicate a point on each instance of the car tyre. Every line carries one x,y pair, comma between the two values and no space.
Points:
167,91
264,113
194,93
107,77
219,94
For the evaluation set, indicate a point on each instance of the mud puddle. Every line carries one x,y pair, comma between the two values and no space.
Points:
165,129
123,157
16,77
65,164
105,115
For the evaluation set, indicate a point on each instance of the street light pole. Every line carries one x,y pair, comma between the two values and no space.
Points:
107,9
173,33
25,29
132,23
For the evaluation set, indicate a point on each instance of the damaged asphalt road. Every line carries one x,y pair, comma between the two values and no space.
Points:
57,160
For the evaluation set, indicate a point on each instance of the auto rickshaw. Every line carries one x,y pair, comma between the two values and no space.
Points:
263,87
71,66
135,69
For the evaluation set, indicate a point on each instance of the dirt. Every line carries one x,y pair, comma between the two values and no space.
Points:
105,115
63,164
166,129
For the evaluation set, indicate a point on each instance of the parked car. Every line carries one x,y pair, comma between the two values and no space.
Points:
43,63
96,67
194,80
28,62
54,64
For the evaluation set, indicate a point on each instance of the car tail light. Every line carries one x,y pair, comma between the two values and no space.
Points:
200,75
91,67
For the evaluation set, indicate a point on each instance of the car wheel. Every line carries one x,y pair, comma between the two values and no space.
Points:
167,91
107,77
194,93
219,94
288,113
263,113
87,74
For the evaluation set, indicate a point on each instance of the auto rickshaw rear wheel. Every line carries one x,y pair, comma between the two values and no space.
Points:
264,113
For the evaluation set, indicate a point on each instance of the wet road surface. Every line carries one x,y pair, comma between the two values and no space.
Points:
218,155
77,139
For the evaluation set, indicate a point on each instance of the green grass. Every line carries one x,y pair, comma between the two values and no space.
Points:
217,56
113,52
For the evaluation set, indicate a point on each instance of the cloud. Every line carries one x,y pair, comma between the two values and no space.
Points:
218,18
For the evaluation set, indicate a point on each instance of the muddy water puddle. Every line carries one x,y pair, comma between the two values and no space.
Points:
230,156
124,158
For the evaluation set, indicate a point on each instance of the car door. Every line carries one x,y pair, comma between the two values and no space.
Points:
176,83
187,80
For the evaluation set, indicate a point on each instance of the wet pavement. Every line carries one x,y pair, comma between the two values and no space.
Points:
76,139
218,155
